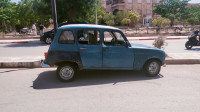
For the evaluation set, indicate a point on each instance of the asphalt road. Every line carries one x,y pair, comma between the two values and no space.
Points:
176,89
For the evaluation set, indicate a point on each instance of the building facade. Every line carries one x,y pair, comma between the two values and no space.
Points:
143,7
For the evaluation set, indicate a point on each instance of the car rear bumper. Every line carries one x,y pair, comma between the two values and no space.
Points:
43,64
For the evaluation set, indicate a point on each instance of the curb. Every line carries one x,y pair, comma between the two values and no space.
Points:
20,42
37,64
182,61
154,39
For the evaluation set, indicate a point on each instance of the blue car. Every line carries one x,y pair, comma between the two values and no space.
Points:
81,46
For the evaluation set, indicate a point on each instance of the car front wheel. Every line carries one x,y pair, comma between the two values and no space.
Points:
152,68
66,72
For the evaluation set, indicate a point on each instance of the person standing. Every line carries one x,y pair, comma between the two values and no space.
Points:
41,29
34,29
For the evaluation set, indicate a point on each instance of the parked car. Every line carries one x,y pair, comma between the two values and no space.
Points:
79,47
47,37
24,30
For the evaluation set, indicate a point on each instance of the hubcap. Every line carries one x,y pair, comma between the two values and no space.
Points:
153,67
48,40
66,72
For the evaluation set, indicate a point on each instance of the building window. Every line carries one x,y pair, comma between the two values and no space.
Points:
148,11
129,1
148,1
158,1
139,1
140,11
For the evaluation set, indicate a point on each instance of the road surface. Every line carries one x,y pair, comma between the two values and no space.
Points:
176,89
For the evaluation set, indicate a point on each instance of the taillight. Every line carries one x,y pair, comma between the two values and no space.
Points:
45,54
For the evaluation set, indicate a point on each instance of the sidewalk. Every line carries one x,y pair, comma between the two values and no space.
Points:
35,62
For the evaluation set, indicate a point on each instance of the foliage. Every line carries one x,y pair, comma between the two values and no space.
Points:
109,18
134,17
119,17
79,10
7,15
126,21
161,22
160,42
193,15
172,9
100,13
125,18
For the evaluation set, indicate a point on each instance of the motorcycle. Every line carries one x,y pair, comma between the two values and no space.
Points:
192,40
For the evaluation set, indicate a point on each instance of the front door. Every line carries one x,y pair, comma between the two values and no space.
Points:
115,52
90,48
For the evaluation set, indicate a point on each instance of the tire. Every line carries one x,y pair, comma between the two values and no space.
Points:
48,40
188,45
152,68
66,72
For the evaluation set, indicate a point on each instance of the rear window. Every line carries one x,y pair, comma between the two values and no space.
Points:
66,37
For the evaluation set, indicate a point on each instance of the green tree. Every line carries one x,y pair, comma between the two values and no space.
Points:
133,16
7,15
193,15
119,17
126,21
71,10
172,9
160,22
109,18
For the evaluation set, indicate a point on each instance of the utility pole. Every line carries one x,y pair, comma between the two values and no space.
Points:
96,14
54,14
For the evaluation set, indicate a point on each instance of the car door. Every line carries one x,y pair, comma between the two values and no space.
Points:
90,48
115,52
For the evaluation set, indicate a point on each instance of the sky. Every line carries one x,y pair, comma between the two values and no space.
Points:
192,1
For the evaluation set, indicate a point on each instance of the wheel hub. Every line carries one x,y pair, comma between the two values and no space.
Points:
66,72
153,67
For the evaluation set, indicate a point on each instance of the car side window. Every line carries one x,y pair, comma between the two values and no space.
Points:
66,37
90,37
113,38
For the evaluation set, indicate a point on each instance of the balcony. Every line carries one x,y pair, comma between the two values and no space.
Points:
117,3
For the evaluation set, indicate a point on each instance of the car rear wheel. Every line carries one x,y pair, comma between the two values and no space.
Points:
48,40
66,72
152,68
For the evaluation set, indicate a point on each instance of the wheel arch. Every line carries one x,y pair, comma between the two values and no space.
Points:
151,59
75,64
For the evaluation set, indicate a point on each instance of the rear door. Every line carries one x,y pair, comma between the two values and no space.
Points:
90,48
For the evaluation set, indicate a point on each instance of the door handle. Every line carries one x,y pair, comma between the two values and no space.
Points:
82,48
105,48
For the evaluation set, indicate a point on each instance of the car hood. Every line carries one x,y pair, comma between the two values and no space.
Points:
142,46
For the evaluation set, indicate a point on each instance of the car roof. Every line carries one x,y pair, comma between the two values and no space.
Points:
71,26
